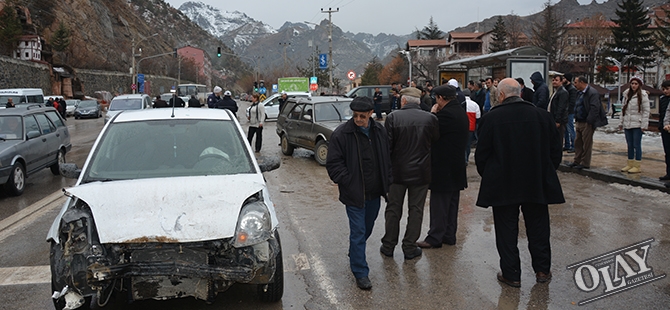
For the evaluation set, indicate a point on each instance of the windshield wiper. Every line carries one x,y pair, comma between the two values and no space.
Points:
338,112
3,139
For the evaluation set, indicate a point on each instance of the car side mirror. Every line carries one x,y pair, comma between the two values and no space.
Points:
268,163
69,170
33,134
307,117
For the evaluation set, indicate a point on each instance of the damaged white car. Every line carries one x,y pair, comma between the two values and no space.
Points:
169,204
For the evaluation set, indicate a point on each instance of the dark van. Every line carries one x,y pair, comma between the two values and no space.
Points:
369,91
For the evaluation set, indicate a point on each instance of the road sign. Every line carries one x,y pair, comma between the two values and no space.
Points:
262,90
323,61
133,86
140,78
275,88
351,75
313,80
313,87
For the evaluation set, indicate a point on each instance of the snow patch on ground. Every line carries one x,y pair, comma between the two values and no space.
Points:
656,194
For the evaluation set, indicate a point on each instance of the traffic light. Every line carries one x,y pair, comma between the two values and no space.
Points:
218,52
255,87
262,84
174,52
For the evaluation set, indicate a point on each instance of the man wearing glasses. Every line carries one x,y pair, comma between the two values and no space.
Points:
359,162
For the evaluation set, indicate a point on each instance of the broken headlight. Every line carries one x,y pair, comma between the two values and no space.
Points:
253,225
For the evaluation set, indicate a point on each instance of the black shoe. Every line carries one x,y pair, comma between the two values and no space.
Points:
542,277
665,177
386,252
426,245
364,283
566,148
667,185
449,242
570,151
580,167
508,282
573,164
413,254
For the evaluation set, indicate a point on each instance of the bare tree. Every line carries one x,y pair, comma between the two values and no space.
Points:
514,32
549,33
589,40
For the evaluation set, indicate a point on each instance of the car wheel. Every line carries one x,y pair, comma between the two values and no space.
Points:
321,152
76,117
273,292
55,168
16,182
286,148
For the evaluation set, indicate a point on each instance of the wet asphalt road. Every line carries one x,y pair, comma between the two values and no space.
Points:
597,218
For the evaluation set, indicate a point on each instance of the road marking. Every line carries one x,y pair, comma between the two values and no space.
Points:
18,220
25,275
301,262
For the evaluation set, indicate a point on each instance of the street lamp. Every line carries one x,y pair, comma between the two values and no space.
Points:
618,64
133,56
409,59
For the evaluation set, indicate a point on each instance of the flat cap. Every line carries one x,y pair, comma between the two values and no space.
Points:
445,91
411,91
361,104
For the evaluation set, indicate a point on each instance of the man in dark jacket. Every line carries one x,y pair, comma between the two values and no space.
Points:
526,93
558,105
214,97
517,156
228,103
359,162
570,125
411,132
589,115
663,121
478,95
160,103
193,102
447,168
176,101
541,95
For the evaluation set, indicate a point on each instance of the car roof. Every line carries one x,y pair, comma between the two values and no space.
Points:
323,99
25,109
166,113
131,96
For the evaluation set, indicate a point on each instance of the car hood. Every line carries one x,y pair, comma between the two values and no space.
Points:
332,125
8,145
177,209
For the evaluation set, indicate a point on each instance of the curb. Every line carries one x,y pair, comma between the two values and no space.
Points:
30,210
617,177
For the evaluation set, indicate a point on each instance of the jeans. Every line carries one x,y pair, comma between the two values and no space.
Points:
634,142
361,222
259,136
570,132
471,138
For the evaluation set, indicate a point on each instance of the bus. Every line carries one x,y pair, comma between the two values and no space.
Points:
186,90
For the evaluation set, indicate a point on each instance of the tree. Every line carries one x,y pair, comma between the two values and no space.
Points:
514,31
10,28
322,75
61,40
372,72
589,39
548,33
395,71
631,36
430,32
499,38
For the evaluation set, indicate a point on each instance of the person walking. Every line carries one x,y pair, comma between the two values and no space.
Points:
359,163
214,97
541,95
229,103
411,132
377,97
517,156
447,168
589,115
472,109
558,105
570,125
193,102
664,127
160,103
634,121
256,119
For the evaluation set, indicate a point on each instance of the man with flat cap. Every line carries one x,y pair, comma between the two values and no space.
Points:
411,132
359,163
447,168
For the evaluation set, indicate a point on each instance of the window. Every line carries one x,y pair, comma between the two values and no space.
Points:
10,128
53,116
363,92
307,110
295,113
45,124
31,124
27,54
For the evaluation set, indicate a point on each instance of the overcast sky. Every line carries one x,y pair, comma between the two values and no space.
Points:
375,16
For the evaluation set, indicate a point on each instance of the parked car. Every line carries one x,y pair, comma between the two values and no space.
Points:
31,138
71,106
309,123
88,109
129,226
369,91
127,102
272,103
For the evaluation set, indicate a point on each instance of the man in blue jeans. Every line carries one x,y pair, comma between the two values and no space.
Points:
359,162
570,125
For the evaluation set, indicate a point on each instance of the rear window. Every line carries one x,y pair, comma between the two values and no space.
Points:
53,116
11,128
126,104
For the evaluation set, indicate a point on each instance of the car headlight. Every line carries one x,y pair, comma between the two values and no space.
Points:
253,225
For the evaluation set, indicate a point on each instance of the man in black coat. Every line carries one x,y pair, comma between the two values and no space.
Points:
447,168
541,95
359,162
589,115
176,101
159,103
526,93
193,102
518,152
228,103
558,105
411,132
570,125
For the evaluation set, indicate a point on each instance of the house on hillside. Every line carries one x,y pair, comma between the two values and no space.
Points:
202,62
29,48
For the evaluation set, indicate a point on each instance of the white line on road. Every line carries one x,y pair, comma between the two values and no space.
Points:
25,275
18,220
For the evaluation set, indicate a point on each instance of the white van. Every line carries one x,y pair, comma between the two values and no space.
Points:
21,96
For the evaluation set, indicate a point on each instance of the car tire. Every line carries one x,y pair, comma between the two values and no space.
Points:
286,148
273,292
321,152
55,168
16,182
76,117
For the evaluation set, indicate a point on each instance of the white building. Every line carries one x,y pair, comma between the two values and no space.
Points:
29,48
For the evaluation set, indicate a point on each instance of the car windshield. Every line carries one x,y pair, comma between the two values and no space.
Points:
332,111
125,104
11,128
87,104
169,148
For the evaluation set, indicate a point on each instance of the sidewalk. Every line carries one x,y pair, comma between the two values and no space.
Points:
610,155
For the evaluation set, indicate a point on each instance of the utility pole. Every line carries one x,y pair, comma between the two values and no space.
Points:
285,44
330,12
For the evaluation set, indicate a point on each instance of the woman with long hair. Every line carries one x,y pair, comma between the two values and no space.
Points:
256,120
634,120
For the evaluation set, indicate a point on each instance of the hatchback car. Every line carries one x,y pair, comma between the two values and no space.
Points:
309,123
88,109
127,103
31,138
272,103
165,209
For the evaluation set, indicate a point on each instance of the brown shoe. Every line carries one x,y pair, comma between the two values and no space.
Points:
426,245
542,277
508,282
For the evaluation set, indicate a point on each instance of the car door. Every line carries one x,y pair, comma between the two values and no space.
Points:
291,126
305,127
63,133
33,149
52,136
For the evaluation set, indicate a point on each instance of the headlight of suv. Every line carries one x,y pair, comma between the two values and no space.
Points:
253,225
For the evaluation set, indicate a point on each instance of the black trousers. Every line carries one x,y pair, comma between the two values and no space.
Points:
415,201
506,222
443,217
259,136
665,137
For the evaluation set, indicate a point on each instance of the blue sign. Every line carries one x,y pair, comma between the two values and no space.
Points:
262,90
141,88
312,80
323,62
275,88
140,78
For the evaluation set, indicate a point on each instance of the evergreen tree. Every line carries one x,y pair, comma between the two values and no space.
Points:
499,39
61,38
548,33
372,72
631,36
430,32
10,28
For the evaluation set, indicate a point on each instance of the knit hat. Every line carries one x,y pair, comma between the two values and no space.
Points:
217,89
638,78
